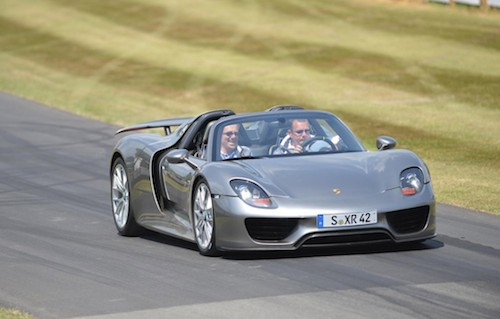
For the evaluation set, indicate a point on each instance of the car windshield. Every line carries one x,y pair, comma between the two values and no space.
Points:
282,134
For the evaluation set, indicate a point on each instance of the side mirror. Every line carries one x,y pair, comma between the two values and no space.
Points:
385,143
177,156
181,156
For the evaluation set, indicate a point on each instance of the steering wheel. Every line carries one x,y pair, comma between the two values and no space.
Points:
311,140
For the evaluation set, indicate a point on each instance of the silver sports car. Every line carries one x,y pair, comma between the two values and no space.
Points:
281,179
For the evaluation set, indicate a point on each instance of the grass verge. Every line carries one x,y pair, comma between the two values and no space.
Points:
13,314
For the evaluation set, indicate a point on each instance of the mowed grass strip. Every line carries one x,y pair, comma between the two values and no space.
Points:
125,74
13,314
425,74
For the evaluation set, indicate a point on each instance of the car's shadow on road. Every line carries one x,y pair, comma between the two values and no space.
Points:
358,249
167,240
355,249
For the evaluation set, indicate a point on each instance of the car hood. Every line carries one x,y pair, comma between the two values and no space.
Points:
315,176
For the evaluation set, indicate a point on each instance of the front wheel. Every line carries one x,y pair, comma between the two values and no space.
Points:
204,220
120,201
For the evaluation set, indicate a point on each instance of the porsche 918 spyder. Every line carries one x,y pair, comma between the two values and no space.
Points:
281,179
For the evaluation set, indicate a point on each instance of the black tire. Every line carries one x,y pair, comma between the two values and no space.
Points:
123,215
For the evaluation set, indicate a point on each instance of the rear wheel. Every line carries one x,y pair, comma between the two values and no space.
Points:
204,220
120,201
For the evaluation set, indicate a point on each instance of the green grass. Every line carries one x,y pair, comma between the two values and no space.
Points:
426,74
13,314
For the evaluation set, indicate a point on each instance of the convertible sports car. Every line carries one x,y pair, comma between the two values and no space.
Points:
267,196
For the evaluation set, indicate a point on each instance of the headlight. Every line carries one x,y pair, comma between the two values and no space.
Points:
250,193
411,181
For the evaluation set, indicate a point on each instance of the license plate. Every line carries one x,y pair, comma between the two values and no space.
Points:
346,219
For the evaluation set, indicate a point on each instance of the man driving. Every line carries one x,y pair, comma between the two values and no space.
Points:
292,143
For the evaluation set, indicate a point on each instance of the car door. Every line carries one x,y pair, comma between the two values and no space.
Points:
177,179
176,183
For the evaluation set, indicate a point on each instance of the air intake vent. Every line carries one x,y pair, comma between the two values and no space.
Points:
408,220
270,228
346,239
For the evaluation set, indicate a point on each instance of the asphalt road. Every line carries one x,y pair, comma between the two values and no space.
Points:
60,255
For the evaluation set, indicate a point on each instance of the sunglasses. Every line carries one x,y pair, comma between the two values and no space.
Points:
300,132
229,134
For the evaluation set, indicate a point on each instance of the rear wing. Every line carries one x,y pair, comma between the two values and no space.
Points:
166,124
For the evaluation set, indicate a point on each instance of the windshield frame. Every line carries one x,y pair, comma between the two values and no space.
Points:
268,123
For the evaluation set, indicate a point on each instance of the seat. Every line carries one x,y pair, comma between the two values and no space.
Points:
282,133
202,152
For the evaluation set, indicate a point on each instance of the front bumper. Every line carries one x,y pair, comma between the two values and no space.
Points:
294,225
